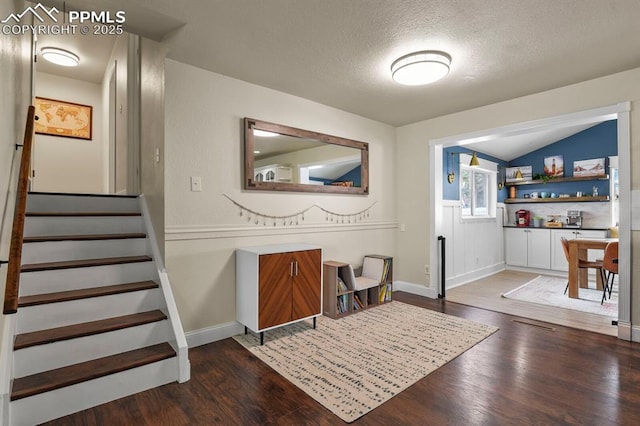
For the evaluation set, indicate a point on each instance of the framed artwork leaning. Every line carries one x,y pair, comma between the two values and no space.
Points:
554,166
592,167
516,174
61,118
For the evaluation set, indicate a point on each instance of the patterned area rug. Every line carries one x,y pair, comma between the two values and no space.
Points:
547,290
356,363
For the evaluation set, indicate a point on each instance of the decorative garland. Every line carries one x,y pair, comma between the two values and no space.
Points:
295,218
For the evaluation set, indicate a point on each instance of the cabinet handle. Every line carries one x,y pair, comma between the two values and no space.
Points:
296,268
291,268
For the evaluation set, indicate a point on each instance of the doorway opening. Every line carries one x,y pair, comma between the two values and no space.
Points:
106,84
619,112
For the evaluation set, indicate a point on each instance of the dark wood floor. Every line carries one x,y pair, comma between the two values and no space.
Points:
524,374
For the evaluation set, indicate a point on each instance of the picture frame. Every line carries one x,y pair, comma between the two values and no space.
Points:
64,119
517,174
590,167
554,166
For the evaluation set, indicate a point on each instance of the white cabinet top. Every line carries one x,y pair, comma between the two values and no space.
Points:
280,248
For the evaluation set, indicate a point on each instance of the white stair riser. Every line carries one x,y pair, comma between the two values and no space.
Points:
79,203
36,359
42,317
61,402
77,278
56,251
79,225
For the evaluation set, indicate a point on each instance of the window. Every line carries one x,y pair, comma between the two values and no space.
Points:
477,194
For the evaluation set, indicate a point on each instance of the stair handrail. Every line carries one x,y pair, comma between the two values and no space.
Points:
17,232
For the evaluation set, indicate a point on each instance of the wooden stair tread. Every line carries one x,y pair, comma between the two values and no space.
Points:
85,237
43,337
66,376
85,293
83,263
80,214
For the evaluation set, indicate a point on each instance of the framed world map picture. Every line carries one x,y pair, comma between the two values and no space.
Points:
60,118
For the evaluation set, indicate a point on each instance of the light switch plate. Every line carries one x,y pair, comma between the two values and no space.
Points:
196,184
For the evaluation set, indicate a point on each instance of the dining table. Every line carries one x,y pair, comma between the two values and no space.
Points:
579,250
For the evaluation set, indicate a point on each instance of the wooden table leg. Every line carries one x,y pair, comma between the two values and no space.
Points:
573,271
584,272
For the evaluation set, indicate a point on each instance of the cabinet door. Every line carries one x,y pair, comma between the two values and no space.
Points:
538,248
558,258
307,285
274,289
515,241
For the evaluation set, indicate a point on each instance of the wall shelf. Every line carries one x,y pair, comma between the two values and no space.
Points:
600,198
558,180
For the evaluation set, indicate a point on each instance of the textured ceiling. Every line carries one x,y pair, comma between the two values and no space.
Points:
338,52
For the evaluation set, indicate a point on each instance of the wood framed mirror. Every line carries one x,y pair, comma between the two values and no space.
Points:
283,158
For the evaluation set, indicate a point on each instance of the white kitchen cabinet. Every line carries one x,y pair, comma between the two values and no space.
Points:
274,173
558,258
528,247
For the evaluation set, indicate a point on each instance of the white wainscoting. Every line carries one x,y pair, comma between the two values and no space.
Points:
474,248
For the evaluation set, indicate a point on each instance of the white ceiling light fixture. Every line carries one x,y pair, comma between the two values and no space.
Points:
60,56
420,68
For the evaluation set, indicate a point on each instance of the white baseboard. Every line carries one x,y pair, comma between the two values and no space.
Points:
213,334
417,289
628,332
474,275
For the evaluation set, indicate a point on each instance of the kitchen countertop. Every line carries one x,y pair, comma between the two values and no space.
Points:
563,228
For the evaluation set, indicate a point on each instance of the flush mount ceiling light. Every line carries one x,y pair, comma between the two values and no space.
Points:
420,68
60,56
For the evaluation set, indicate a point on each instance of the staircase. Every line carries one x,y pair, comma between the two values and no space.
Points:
96,319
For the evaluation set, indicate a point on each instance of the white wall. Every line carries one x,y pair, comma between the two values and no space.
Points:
474,247
66,164
412,156
116,152
15,92
203,137
152,132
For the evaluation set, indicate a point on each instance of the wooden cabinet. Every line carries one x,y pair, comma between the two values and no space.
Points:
558,258
339,302
528,247
277,285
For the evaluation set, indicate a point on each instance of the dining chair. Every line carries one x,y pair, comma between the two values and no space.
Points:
596,264
610,266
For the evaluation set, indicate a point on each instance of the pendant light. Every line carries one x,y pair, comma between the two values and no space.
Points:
451,175
474,161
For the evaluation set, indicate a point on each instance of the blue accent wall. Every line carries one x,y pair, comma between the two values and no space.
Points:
450,191
354,175
596,142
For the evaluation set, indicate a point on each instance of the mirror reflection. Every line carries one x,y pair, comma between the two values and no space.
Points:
283,158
